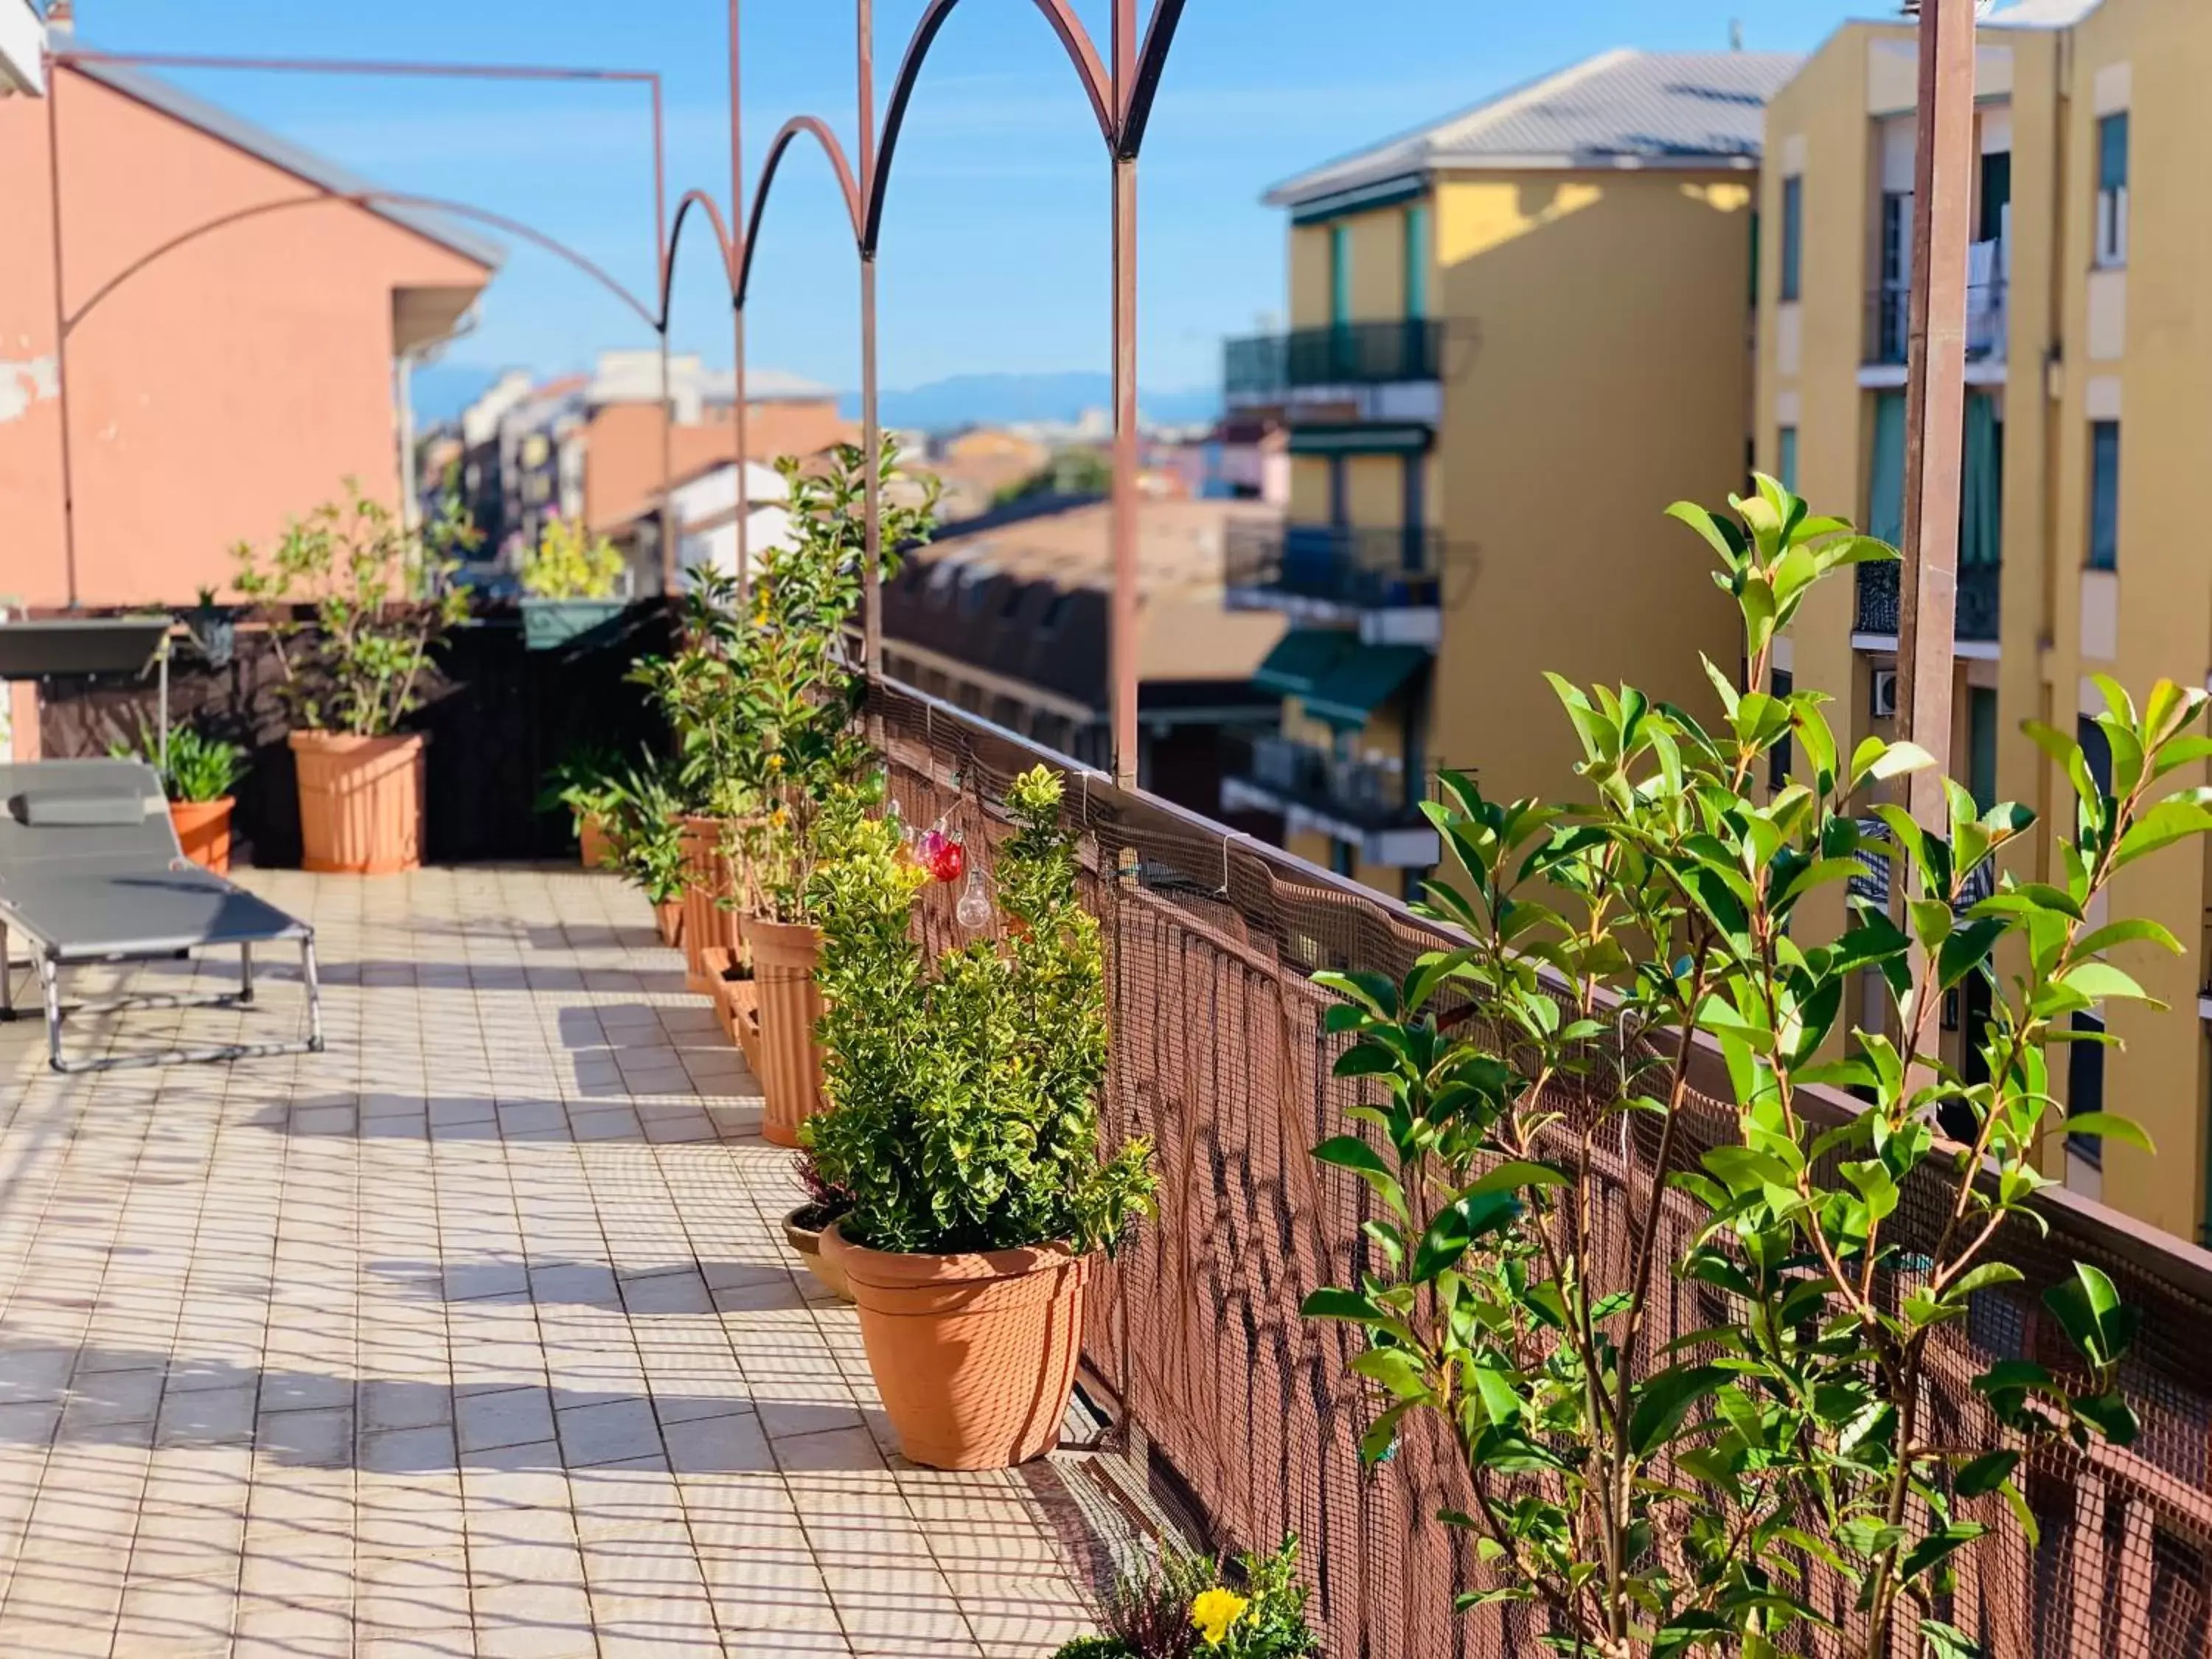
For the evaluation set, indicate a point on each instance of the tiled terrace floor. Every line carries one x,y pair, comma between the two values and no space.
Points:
475,1335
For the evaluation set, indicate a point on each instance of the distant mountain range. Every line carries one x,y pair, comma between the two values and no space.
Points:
1007,399
443,390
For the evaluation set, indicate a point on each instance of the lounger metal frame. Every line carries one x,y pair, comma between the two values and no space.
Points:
49,965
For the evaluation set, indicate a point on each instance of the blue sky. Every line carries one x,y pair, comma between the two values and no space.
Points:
995,230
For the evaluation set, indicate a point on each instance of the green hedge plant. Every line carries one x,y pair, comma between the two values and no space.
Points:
963,1094
1645,1499
382,598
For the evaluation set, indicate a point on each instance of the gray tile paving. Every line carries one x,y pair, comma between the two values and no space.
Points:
474,1335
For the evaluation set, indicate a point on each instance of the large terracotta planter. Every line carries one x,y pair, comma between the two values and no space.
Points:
974,1355
789,1060
361,802
805,1239
597,851
203,831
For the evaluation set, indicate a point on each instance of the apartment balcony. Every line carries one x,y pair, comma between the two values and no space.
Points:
1889,330
1873,883
1875,626
1389,581
1385,371
1366,801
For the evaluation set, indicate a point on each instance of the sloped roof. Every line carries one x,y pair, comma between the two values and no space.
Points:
239,133
1621,108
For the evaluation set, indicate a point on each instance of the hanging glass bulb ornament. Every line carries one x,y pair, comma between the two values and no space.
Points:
974,911
929,849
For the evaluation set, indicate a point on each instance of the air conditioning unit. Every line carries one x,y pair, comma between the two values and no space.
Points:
1882,701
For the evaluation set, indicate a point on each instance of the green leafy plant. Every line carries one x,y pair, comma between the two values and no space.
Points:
1642,1498
199,767
640,809
569,562
588,783
382,600
1183,1605
795,681
963,1100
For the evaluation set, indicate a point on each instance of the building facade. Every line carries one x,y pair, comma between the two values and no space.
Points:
1516,336
2089,360
225,339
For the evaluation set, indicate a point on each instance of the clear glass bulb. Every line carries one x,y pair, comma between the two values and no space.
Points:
974,911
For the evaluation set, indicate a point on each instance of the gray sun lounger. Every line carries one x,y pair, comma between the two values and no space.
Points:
90,871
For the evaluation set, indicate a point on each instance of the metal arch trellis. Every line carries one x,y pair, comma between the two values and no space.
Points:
1121,89
1120,86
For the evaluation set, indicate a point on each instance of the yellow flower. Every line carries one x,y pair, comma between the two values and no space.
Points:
1214,1612
776,762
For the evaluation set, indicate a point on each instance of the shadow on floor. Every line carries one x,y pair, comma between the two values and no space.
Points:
306,1420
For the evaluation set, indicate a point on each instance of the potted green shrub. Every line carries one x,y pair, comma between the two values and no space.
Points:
795,693
381,601
572,582
588,787
645,841
198,774
962,1122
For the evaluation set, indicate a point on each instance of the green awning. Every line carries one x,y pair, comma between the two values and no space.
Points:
1407,438
1301,659
1363,680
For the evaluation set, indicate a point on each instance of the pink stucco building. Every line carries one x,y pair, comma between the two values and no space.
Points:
225,345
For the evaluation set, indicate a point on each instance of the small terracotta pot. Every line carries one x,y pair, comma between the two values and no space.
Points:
669,919
807,1241
974,1354
594,848
361,802
789,1061
203,831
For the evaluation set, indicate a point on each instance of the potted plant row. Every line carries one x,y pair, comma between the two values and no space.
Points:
961,1124
198,774
382,600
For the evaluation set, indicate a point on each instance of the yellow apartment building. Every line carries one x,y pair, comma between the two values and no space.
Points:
1515,335
2089,339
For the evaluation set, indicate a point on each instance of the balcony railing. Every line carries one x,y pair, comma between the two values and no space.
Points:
1889,324
1370,793
1873,883
1343,354
1878,603
1358,567
1222,1058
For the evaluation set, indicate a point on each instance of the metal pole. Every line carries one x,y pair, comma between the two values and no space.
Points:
1122,639
872,437
737,310
1935,396
61,326
668,561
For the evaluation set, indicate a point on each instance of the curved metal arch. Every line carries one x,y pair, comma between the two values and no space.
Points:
1080,52
368,198
1151,59
694,198
846,183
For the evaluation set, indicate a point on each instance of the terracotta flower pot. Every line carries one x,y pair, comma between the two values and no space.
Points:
361,802
806,1240
669,919
594,848
706,885
789,1063
737,1000
974,1354
203,831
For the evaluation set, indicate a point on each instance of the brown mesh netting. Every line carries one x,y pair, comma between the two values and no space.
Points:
1250,1414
